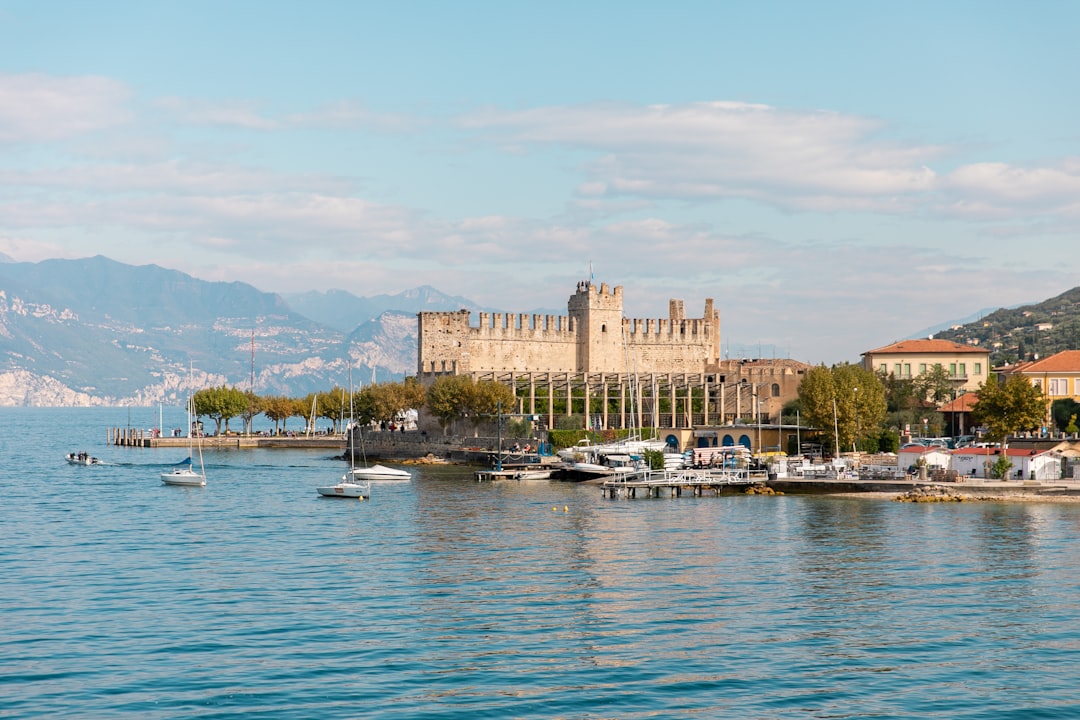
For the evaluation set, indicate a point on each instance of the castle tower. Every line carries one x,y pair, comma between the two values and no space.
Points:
598,316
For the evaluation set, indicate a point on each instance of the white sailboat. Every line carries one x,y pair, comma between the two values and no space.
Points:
183,473
349,487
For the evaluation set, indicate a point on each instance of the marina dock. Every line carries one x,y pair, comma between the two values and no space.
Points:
675,483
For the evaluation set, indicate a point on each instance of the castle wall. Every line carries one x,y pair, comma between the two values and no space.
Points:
592,337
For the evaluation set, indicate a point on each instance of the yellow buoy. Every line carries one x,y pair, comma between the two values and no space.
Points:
554,509
566,508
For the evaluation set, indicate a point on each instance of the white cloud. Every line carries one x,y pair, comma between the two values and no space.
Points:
36,108
722,149
250,115
243,114
171,176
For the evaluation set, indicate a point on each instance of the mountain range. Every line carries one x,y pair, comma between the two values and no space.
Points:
95,331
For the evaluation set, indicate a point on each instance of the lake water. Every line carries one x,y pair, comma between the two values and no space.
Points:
447,598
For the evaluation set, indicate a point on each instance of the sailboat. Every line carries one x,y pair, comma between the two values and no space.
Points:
183,473
349,487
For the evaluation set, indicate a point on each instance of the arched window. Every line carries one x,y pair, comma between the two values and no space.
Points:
744,440
603,327
776,389
728,441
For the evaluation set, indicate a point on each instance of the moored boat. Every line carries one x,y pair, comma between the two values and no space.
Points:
82,458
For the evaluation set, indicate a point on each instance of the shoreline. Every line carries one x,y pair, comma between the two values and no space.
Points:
1020,497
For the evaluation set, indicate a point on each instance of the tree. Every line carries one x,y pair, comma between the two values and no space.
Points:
220,404
934,385
278,409
1009,407
254,407
487,399
1064,411
386,402
332,405
448,397
457,396
845,399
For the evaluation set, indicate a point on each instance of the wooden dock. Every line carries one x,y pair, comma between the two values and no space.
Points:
651,484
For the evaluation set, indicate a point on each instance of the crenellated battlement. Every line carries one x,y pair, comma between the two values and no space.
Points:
593,337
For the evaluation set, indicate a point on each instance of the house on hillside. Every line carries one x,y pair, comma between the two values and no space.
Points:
968,366
1057,375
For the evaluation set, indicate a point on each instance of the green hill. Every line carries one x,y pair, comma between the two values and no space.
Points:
1024,332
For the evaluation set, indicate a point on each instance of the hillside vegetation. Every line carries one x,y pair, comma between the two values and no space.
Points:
1025,332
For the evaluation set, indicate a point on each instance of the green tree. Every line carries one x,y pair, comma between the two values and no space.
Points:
487,399
333,405
448,398
386,402
845,399
1064,412
254,407
220,404
934,386
278,409
1009,407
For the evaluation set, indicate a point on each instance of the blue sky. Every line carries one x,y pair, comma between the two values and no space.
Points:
836,175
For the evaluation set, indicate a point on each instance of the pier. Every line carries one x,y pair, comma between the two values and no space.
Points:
675,483
138,437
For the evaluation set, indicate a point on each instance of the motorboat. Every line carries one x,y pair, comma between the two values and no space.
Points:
378,473
82,458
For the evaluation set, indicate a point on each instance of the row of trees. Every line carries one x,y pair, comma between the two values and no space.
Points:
449,399
859,408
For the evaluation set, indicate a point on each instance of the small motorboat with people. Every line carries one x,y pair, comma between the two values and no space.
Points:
82,458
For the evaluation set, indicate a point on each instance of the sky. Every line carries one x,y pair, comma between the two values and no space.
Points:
835,175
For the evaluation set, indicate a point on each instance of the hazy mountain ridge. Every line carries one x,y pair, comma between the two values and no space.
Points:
99,332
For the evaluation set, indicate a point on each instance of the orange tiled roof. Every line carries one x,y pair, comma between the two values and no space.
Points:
964,403
922,347
1064,361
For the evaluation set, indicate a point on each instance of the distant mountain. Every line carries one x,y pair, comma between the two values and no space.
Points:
98,332
1026,331
344,311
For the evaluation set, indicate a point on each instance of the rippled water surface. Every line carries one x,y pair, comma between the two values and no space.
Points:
449,598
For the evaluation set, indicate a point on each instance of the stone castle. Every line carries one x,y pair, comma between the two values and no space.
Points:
617,372
593,337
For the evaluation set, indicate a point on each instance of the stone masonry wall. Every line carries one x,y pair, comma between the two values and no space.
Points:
594,337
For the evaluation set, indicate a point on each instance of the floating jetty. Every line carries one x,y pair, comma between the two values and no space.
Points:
677,482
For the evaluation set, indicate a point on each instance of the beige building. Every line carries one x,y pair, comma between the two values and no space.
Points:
968,366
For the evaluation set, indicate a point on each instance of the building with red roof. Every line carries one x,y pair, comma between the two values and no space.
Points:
968,366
